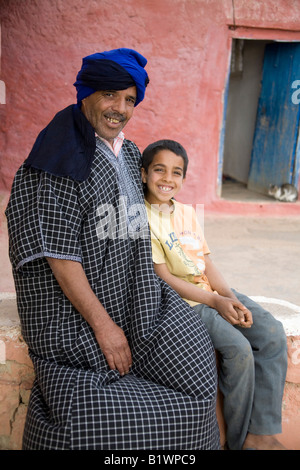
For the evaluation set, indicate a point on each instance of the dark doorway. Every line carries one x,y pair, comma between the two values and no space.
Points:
262,120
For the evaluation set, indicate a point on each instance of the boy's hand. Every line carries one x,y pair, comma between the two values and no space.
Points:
245,317
233,311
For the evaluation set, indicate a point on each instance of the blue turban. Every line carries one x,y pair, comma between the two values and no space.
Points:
118,69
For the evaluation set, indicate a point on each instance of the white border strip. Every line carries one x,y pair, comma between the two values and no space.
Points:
290,323
271,300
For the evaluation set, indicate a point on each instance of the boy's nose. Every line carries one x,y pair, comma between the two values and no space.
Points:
168,176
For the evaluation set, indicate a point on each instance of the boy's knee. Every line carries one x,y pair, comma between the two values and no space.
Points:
245,355
278,334
276,341
242,355
238,365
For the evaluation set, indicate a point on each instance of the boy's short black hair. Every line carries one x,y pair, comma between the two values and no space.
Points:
164,144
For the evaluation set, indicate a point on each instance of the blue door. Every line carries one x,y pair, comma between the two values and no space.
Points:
275,153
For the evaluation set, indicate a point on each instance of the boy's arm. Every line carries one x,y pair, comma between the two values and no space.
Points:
183,288
216,279
227,305
219,284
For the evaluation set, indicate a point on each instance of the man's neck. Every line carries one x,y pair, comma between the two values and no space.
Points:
115,144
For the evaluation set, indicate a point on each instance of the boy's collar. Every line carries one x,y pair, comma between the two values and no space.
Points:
160,207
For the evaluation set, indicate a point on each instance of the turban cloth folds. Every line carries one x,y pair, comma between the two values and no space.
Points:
118,69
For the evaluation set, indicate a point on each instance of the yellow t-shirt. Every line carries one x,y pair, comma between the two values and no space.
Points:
178,241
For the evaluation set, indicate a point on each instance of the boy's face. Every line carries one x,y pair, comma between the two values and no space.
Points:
164,178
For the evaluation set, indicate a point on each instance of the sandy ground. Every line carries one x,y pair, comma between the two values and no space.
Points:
257,256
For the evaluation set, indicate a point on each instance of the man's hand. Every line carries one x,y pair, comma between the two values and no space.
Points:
114,346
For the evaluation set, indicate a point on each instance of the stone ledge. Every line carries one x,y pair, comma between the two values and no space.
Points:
289,315
17,375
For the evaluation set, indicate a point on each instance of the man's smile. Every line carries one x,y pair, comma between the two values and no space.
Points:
113,119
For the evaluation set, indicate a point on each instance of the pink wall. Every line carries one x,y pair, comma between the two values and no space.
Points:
187,43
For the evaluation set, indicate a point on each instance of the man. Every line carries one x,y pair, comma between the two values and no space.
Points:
121,362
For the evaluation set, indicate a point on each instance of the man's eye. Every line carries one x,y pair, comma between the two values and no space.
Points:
108,93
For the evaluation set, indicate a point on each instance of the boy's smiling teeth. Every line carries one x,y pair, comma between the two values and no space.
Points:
165,188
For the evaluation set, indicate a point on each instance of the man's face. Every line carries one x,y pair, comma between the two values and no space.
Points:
109,111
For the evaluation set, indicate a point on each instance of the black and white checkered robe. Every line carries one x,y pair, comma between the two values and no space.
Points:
168,399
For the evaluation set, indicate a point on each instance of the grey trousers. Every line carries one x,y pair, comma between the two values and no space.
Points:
252,374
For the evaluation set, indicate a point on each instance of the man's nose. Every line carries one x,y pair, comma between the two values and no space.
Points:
119,105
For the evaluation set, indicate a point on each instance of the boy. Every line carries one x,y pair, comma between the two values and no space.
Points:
252,344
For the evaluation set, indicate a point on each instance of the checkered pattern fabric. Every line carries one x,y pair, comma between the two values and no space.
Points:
168,399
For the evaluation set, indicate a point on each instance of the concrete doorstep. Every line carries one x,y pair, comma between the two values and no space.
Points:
17,374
